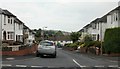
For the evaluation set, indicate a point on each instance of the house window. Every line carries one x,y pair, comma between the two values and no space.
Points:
11,21
116,17
94,36
18,37
8,19
10,35
4,20
94,26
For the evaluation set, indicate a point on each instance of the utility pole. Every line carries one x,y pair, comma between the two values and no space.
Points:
42,33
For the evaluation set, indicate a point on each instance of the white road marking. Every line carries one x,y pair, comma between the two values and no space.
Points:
37,66
10,58
113,66
50,66
6,65
113,61
21,66
99,66
78,63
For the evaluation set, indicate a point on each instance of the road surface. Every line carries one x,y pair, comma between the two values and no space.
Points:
64,60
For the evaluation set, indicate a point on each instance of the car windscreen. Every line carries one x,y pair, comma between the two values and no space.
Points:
46,43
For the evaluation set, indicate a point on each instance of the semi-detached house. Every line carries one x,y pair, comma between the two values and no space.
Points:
29,36
7,20
98,26
13,29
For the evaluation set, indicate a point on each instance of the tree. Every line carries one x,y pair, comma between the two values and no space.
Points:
75,36
87,38
38,32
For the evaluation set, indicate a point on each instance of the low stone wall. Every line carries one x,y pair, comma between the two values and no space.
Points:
25,51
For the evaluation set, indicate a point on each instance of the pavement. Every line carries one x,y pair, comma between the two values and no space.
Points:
11,58
93,56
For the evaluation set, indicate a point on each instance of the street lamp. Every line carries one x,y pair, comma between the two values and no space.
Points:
42,33
101,38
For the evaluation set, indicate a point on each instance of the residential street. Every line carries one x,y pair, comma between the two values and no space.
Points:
64,59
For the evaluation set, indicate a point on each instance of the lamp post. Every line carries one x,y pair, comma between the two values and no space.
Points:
42,33
101,38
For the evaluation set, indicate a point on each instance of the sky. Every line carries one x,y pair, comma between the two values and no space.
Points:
65,15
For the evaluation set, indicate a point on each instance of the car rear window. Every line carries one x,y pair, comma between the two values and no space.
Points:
46,43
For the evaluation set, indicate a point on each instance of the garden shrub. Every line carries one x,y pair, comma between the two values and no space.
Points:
112,40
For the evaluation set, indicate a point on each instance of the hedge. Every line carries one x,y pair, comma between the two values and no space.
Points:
112,40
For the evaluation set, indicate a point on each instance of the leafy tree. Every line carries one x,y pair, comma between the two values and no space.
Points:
87,38
75,36
38,32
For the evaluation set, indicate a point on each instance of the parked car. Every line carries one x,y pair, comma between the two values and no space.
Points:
46,48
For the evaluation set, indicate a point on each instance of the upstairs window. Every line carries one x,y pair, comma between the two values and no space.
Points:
94,26
8,19
4,20
11,21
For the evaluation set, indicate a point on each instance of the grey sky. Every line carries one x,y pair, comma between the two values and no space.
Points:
66,15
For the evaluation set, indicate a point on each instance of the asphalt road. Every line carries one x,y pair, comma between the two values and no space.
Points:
64,60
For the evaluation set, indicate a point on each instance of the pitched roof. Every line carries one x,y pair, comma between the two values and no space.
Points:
87,26
103,19
81,30
18,21
6,12
117,8
96,20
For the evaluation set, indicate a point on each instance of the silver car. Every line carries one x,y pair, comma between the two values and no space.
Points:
46,48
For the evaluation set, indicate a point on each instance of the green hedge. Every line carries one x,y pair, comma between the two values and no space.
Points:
112,40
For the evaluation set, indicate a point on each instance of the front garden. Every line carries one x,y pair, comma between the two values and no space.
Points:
110,46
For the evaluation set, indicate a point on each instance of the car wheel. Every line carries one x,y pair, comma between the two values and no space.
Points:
37,54
54,55
41,55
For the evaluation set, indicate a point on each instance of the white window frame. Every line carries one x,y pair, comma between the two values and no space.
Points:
10,35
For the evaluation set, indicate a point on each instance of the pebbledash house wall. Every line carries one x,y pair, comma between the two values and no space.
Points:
19,31
7,27
111,19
